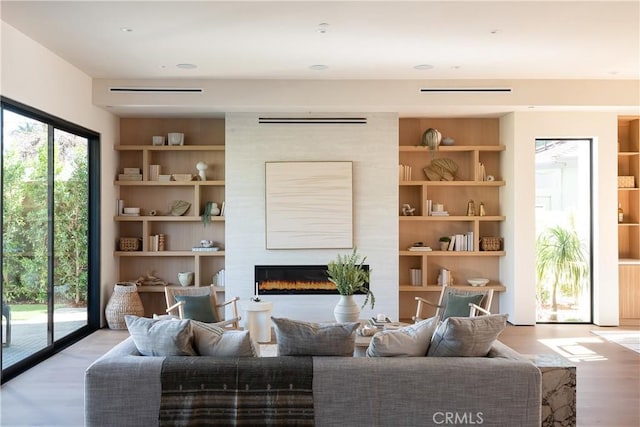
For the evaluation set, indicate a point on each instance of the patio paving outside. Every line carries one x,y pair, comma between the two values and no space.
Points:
30,336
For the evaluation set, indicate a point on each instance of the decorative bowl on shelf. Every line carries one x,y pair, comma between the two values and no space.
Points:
478,281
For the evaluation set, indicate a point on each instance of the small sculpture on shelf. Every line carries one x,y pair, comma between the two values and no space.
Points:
482,211
471,208
202,170
407,210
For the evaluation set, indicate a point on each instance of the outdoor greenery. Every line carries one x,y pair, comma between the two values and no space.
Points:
349,276
561,266
26,216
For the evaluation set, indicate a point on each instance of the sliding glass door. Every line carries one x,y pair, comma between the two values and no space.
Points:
563,229
46,228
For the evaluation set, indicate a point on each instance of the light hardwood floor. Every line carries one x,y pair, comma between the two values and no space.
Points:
608,377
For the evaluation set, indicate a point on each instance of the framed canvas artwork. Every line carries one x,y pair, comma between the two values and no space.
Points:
309,205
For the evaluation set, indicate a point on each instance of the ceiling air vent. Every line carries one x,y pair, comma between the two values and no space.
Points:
313,120
466,90
155,89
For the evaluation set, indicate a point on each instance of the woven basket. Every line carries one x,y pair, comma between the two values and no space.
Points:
626,181
124,300
490,243
129,244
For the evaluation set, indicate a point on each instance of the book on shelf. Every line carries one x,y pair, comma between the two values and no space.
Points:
440,213
470,241
419,249
404,173
129,177
462,242
482,174
154,172
157,242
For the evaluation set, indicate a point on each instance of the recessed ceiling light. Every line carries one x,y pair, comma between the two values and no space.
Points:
186,66
423,67
318,67
126,29
496,31
456,67
323,27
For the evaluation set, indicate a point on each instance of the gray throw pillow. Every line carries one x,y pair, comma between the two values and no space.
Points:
211,340
160,337
198,307
412,340
458,305
466,336
298,338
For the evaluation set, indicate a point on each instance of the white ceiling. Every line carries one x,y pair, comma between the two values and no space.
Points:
364,40
370,41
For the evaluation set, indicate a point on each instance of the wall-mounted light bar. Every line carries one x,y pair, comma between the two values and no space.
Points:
313,120
466,90
155,90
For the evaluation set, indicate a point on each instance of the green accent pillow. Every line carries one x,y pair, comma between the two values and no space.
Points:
198,308
458,305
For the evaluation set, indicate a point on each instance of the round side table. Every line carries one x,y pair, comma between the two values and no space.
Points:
258,315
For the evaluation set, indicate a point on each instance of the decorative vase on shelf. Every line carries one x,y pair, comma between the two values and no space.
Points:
346,310
124,300
185,278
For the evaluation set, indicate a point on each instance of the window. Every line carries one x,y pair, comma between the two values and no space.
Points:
50,274
563,230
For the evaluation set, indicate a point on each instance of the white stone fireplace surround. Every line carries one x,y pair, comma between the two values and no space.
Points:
372,147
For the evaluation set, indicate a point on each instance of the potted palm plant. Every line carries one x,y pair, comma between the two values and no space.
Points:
349,275
561,260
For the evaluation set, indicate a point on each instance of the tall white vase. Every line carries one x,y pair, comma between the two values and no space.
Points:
346,310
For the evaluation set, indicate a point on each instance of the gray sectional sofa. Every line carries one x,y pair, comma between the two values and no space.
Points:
123,388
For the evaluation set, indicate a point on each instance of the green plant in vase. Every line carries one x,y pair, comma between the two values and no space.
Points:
444,243
210,209
347,272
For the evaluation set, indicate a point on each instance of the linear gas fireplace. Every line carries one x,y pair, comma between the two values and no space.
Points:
294,280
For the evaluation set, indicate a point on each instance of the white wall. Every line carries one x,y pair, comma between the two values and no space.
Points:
373,148
33,75
518,132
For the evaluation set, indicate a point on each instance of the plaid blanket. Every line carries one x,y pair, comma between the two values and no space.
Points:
204,391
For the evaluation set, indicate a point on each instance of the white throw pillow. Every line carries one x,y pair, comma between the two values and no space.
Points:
409,341
466,336
160,337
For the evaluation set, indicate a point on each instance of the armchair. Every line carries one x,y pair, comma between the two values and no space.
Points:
178,296
458,302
